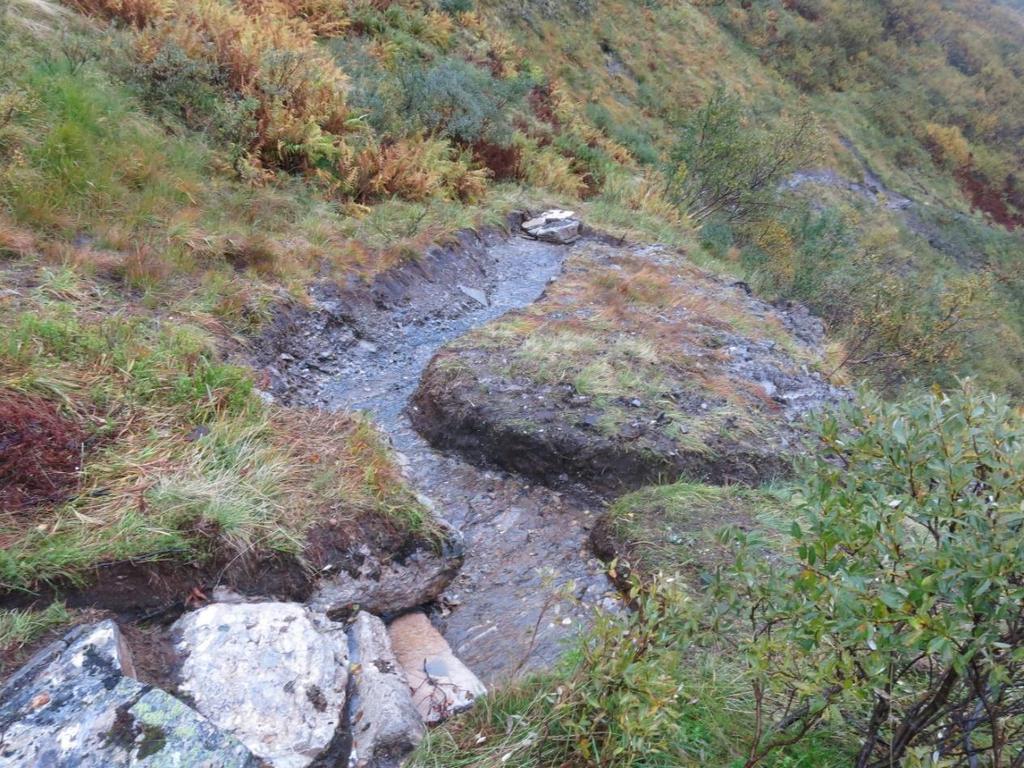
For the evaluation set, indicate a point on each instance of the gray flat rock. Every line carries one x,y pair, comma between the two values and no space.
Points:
548,217
386,587
554,226
386,725
561,232
73,706
475,294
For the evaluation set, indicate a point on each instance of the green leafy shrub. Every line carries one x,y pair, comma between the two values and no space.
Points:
635,691
192,89
455,7
722,166
901,606
461,101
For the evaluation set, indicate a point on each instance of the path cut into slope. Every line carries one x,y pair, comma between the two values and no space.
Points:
525,543
475,361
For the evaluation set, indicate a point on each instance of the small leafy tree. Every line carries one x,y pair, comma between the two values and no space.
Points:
901,610
720,165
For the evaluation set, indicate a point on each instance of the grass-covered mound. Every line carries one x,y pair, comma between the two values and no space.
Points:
178,456
635,366
674,529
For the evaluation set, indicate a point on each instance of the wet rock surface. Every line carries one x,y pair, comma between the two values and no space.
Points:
385,723
75,705
390,585
363,346
530,581
554,226
491,612
268,675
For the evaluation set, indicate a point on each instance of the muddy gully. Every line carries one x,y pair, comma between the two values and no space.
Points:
524,542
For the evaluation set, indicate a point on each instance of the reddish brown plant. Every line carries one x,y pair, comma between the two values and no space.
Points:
40,452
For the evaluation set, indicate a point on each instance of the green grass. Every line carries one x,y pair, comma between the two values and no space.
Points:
673,528
97,158
18,628
255,482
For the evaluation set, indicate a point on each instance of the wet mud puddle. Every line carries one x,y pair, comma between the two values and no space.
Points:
525,543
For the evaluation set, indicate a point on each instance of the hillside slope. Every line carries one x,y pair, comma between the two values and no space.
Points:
181,180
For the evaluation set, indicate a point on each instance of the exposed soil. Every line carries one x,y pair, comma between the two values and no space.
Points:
994,203
153,654
558,439
157,589
40,452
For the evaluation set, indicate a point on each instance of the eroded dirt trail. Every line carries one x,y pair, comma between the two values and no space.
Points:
524,542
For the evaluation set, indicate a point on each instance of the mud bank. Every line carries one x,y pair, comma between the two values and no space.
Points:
360,559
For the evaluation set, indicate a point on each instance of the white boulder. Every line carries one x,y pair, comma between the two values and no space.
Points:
267,674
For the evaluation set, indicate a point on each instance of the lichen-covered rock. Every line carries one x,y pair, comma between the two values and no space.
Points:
385,723
266,673
441,684
158,731
72,705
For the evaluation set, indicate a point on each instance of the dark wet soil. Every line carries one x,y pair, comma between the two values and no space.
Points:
161,587
559,439
153,654
529,580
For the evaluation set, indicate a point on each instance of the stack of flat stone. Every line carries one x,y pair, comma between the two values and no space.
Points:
554,226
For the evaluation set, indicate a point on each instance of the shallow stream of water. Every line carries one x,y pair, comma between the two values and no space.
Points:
525,543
